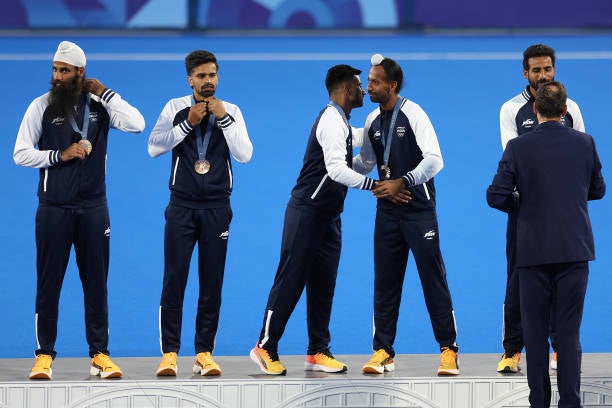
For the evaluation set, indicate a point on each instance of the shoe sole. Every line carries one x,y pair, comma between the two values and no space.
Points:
166,371
255,357
509,370
40,376
105,375
378,370
325,369
448,372
206,372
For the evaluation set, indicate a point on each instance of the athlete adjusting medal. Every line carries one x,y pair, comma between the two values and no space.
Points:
86,145
386,172
202,166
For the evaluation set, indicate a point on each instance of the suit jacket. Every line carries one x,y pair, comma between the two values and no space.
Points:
547,175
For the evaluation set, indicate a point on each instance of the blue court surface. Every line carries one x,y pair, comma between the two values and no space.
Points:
278,82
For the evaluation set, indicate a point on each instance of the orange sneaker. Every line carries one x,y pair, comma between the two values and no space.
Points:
102,365
205,365
42,368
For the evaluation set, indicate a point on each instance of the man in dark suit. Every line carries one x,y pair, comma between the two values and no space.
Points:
547,175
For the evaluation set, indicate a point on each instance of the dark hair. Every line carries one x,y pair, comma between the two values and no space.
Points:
551,99
197,58
338,75
394,72
537,50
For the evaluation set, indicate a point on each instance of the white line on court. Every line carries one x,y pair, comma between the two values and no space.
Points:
316,56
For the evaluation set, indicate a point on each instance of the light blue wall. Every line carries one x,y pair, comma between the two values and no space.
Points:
278,82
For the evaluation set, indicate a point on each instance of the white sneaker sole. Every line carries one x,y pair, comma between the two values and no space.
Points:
255,357
318,367
367,369
209,371
167,372
110,374
448,372
41,375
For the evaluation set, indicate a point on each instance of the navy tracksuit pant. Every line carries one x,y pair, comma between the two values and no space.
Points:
57,229
310,254
560,288
184,227
395,234
512,333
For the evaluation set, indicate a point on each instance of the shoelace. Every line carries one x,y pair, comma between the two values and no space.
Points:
327,354
381,355
448,356
106,361
206,360
168,359
44,361
273,354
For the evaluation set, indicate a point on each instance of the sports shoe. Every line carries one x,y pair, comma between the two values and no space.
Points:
553,361
509,363
102,365
205,365
448,362
168,365
380,362
267,361
324,361
42,368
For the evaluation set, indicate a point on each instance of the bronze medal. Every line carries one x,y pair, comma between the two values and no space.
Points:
386,172
202,166
86,145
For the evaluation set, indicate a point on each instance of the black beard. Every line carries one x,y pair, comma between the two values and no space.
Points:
206,92
62,99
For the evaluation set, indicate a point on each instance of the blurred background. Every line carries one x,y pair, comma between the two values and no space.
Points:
461,61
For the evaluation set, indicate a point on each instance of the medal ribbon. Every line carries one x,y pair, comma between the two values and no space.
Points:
387,139
203,142
85,129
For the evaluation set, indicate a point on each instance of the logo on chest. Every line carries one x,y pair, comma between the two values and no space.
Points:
93,117
528,123
58,121
377,135
400,131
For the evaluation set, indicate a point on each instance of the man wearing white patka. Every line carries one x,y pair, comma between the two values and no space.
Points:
64,134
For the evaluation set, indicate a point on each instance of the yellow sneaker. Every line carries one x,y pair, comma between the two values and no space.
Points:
324,361
553,361
267,361
102,365
42,368
509,363
168,365
380,362
449,364
205,365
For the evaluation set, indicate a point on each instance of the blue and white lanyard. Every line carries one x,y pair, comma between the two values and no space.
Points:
202,142
386,140
82,132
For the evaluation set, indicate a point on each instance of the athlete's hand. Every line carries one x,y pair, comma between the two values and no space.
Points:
393,190
197,113
74,151
94,86
216,107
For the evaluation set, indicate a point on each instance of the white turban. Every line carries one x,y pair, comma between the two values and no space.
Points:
70,53
376,59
